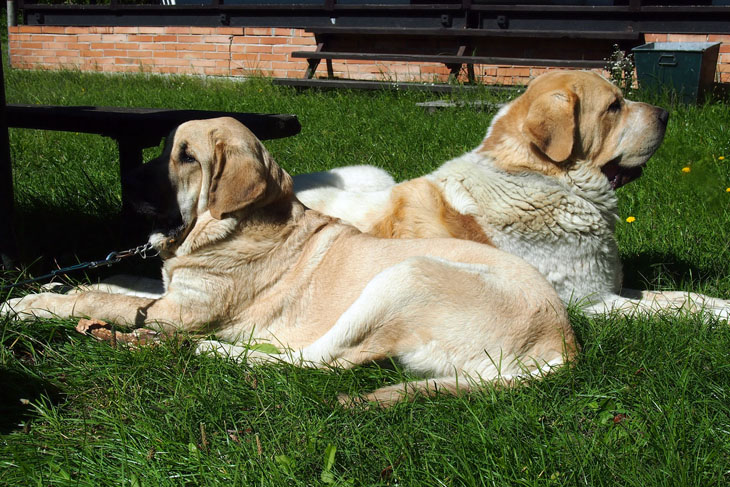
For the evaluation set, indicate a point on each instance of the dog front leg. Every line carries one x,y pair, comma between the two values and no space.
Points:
164,314
633,301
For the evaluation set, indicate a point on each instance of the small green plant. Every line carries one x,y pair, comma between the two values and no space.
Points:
621,69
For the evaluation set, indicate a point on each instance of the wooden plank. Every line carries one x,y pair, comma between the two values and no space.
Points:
444,32
374,85
147,125
8,249
508,61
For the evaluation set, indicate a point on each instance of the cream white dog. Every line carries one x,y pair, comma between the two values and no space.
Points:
247,261
540,186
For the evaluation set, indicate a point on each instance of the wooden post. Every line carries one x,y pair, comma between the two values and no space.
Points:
8,249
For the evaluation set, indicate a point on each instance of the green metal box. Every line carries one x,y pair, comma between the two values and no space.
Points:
685,67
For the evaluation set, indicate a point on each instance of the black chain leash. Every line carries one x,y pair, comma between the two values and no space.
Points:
145,251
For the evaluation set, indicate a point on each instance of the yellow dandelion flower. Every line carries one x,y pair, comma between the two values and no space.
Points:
721,158
631,219
686,169
727,190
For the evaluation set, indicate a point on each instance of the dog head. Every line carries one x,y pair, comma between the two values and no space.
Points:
215,166
566,118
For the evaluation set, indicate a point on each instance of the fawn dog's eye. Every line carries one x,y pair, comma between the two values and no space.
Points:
185,156
615,106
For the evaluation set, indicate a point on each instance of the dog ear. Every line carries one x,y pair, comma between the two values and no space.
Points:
550,124
244,178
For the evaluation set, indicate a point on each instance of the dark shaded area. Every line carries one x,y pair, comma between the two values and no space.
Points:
642,270
20,390
53,237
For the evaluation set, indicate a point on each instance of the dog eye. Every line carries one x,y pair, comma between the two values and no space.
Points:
615,106
186,158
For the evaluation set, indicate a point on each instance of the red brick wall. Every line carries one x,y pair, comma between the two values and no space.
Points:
237,51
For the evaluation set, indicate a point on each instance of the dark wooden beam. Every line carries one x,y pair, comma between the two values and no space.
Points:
8,248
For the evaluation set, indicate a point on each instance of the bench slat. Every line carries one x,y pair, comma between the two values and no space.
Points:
446,32
144,124
510,61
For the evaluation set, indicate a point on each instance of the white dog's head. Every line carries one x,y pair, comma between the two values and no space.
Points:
566,118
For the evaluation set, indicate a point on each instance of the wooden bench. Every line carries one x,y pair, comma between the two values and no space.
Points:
133,128
456,47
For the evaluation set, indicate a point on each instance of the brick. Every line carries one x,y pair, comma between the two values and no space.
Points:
202,30
76,30
126,45
52,29
687,37
287,49
114,38
217,39
244,57
140,38
246,40
258,31
655,37
177,30
233,31
188,39
202,63
67,53
199,48
164,38
54,45
30,29
278,31
214,55
140,54
256,49
100,30
281,65
167,70
89,37
114,52
152,46
165,54
273,40
273,57
303,41
87,53
126,30
151,30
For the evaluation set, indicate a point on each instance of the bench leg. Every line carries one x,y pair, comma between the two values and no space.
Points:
8,248
470,73
312,65
130,158
454,70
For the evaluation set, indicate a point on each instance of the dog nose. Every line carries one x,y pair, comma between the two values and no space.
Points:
663,116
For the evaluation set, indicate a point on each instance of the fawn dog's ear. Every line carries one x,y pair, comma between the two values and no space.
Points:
244,175
550,124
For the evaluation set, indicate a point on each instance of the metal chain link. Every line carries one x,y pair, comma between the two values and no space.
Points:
145,251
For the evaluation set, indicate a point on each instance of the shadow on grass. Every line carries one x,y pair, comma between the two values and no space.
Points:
19,392
53,237
651,269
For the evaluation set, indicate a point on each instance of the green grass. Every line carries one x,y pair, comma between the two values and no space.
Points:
647,402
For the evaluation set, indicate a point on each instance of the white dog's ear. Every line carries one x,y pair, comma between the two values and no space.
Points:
244,178
550,124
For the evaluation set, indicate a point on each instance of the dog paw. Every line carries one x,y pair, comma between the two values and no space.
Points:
27,308
220,349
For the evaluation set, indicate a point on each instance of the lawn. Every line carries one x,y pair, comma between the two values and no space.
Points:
646,403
